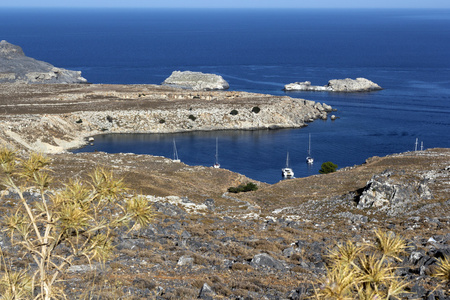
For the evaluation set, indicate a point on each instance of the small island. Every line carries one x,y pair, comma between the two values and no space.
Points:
347,85
196,81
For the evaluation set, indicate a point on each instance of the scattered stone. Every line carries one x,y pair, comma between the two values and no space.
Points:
185,261
206,292
210,204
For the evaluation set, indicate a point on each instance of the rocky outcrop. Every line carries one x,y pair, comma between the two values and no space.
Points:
347,85
390,192
196,81
16,67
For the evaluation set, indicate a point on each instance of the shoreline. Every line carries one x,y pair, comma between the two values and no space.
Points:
54,118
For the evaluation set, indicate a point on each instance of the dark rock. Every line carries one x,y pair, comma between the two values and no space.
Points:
418,291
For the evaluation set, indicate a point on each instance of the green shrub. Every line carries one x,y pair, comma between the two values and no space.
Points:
192,117
162,121
328,167
243,188
256,109
234,112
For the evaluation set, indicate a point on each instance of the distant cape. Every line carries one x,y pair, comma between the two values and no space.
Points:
15,66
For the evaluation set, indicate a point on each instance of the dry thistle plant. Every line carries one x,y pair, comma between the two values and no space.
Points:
363,272
442,272
77,221
14,284
389,245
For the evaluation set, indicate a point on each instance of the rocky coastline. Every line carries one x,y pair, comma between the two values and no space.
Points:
15,66
54,118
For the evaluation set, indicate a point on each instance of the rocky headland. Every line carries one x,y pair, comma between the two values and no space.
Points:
15,66
196,81
347,85
54,118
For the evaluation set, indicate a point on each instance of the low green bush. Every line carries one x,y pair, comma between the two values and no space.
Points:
328,167
192,117
243,188
234,112
256,109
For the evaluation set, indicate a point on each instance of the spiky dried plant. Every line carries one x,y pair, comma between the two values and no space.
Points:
389,245
373,272
364,272
345,253
14,285
338,283
442,272
82,217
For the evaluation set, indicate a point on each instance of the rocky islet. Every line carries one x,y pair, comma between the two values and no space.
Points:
347,85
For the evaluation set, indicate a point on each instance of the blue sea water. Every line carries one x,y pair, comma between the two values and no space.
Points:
407,52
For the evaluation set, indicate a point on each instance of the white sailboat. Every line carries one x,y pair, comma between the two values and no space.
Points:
287,172
216,164
175,152
309,158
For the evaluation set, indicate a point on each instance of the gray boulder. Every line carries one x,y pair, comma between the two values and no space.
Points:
196,81
393,194
265,260
347,85
16,67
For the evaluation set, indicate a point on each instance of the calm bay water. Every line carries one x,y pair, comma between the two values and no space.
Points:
404,51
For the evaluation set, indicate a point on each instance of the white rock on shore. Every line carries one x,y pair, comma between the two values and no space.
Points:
347,85
196,81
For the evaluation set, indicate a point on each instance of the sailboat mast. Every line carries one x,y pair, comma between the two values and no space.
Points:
217,151
287,160
309,145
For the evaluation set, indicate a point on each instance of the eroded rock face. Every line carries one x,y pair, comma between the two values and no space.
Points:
16,67
347,85
196,81
388,192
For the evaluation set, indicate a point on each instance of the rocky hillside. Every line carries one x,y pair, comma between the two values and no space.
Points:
16,67
267,244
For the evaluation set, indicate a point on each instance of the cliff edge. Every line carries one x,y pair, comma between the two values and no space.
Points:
15,66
